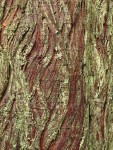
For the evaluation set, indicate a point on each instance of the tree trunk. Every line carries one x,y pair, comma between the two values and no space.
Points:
56,75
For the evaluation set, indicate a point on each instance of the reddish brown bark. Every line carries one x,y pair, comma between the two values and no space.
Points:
56,75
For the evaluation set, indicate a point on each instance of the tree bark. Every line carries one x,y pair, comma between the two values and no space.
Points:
56,75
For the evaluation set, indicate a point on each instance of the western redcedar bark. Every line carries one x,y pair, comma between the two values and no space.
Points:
56,74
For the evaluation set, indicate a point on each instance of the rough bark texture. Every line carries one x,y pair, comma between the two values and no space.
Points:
56,75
